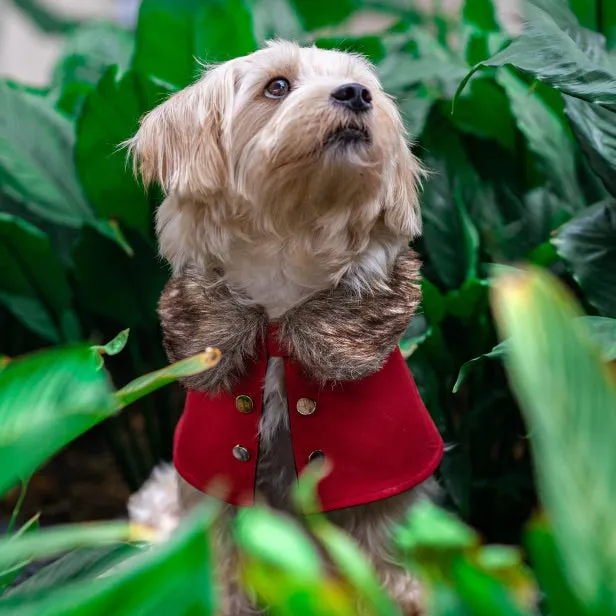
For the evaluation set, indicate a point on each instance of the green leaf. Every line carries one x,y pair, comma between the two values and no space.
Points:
428,527
602,331
588,245
586,12
340,547
33,285
279,541
148,383
480,14
282,566
549,54
485,111
415,108
110,115
36,162
319,13
402,72
79,564
496,353
114,285
275,19
482,593
568,397
548,565
192,30
595,129
88,51
608,23
46,400
12,572
371,47
449,234
545,134
173,578
51,542
113,347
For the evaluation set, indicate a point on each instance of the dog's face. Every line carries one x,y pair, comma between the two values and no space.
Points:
287,134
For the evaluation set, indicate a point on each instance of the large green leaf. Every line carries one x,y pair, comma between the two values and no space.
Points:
449,234
282,566
319,13
117,286
87,53
608,23
546,136
191,30
595,129
275,19
33,285
51,542
79,564
568,396
36,161
601,330
480,13
588,244
485,111
372,46
110,116
548,568
46,400
173,578
551,55
586,12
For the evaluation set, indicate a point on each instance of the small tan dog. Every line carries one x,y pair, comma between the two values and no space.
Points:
291,196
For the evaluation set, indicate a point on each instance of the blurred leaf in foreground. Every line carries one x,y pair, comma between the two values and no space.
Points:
568,396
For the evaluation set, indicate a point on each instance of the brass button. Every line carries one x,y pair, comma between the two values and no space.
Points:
244,404
306,406
241,453
317,454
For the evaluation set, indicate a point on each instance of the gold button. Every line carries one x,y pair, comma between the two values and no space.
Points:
306,406
317,454
244,404
241,453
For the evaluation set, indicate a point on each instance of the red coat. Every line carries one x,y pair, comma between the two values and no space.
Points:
376,432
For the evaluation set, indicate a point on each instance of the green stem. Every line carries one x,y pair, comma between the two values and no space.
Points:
17,508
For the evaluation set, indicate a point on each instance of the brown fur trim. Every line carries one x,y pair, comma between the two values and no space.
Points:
198,311
340,336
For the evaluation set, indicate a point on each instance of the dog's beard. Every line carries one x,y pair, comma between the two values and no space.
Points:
349,136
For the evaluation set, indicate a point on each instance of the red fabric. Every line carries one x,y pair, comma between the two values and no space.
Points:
376,432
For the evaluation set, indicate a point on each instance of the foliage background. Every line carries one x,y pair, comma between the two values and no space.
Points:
523,171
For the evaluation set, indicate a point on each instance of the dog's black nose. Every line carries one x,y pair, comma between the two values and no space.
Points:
354,96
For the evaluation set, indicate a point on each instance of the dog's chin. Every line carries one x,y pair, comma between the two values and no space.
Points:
350,137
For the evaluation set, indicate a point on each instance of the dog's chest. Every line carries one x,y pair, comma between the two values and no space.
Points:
275,466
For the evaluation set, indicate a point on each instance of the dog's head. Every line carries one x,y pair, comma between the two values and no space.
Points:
286,134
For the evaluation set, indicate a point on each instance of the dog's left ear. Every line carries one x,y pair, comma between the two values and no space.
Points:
179,144
401,193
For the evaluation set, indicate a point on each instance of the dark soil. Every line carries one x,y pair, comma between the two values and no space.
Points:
80,484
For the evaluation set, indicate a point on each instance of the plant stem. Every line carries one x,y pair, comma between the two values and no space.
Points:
17,508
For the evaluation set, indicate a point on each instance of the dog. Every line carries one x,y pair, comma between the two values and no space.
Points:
291,196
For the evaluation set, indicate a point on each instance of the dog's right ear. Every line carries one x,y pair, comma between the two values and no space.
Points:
179,144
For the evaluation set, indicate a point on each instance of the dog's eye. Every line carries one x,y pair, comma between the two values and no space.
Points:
277,88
